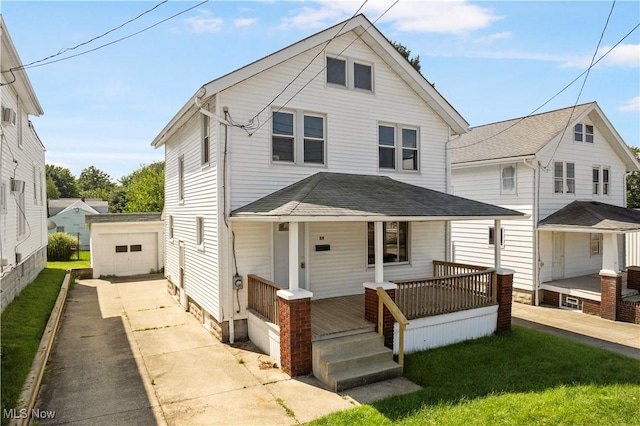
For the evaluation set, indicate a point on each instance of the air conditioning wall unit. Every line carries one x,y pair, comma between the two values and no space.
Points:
9,116
17,186
18,258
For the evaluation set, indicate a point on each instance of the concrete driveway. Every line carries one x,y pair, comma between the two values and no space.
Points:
126,353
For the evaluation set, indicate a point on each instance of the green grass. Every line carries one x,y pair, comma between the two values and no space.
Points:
520,378
21,326
83,262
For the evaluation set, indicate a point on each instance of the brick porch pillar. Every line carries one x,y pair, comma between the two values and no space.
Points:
633,277
504,293
294,314
610,294
371,309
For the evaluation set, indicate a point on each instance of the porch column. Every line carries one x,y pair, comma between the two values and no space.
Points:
610,278
497,243
293,256
371,309
379,258
294,315
504,284
633,277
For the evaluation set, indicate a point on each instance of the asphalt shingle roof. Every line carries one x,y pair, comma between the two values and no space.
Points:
514,138
349,195
593,215
122,217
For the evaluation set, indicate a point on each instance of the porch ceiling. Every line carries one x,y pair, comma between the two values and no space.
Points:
592,216
340,196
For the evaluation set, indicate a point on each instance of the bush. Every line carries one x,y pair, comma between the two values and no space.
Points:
60,245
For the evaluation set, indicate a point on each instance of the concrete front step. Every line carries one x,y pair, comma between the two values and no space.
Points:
351,361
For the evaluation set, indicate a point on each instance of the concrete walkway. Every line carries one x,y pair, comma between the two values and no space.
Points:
126,353
615,336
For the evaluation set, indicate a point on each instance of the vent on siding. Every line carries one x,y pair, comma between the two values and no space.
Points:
8,116
571,302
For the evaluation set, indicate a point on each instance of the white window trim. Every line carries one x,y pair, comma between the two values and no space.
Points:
200,233
181,179
205,140
19,124
350,73
298,138
3,197
366,241
565,179
598,183
601,181
398,147
514,191
171,226
583,133
21,212
598,239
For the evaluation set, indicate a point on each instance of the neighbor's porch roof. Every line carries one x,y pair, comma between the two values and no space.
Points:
328,196
592,217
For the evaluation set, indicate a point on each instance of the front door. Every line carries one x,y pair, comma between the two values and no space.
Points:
557,266
281,255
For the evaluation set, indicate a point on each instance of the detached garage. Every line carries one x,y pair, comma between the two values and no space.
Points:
125,244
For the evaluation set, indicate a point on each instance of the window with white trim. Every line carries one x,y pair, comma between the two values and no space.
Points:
181,179
171,227
596,180
395,242
3,197
583,133
605,180
298,137
492,236
393,138
19,123
600,180
35,186
21,212
349,73
595,243
205,142
508,179
564,177
336,71
200,232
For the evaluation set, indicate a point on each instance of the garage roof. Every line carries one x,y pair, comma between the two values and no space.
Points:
122,217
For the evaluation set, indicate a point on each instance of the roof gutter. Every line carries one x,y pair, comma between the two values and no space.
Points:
492,161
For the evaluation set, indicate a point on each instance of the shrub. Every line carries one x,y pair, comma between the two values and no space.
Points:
60,245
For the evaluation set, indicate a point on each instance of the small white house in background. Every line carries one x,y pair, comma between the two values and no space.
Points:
23,217
71,220
567,170
55,206
126,244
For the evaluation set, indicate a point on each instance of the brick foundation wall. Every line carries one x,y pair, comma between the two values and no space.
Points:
633,277
505,298
551,298
610,295
629,312
22,275
371,314
591,307
295,336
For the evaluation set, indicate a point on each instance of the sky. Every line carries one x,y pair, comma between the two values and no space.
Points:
492,61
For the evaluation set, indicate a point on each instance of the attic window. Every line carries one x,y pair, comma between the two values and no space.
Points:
336,71
583,132
350,73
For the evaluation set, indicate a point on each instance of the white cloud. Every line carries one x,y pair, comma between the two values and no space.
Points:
632,105
451,17
623,55
505,35
204,23
244,22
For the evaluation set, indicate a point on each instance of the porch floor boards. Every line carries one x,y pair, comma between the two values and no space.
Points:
586,283
338,316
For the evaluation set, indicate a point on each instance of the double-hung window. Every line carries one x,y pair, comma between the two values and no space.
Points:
596,179
337,71
206,140
600,178
595,241
181,179
298,137
605,181
392,138
564,178
508,179
583,133
349,73
171,227
395,236
200,232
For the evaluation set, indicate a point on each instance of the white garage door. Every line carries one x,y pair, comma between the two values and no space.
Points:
128,254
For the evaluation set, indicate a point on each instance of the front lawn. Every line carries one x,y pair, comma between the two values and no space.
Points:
520,378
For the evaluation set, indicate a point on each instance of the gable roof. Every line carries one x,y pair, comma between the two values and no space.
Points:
590,216
79,204
368,33
526,136
327,195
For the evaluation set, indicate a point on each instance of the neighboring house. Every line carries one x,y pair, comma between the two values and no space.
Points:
71,220
567,170
126,244
55,206
23,226
313,170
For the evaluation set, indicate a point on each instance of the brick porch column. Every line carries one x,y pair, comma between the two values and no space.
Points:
610,294
633,277
294,314
371,309
504,293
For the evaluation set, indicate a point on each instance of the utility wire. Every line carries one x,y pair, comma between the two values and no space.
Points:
554,96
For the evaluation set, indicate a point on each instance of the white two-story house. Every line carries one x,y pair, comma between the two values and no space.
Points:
567,170
23,199
319,167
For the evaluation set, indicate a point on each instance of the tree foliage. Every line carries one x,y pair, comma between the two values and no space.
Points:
94,183
144,189
64,181
633,183
52,190
404,51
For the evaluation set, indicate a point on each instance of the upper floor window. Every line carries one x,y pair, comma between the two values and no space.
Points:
298,137
583,132
205,139
393,138
171,227
3,197
600,179
181,179
19,123
564,178
508,179
349,73
395,237
35,185
200,232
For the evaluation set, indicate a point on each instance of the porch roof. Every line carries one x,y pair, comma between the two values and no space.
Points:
592,216
340,196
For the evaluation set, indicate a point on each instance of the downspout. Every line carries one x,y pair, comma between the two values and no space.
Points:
448,254
623,265
536,257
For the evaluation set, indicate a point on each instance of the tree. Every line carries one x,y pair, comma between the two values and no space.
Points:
404,51
633,183
52,190
94,183
64,181
144,189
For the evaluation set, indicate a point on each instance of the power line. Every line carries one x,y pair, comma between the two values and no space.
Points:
554,96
